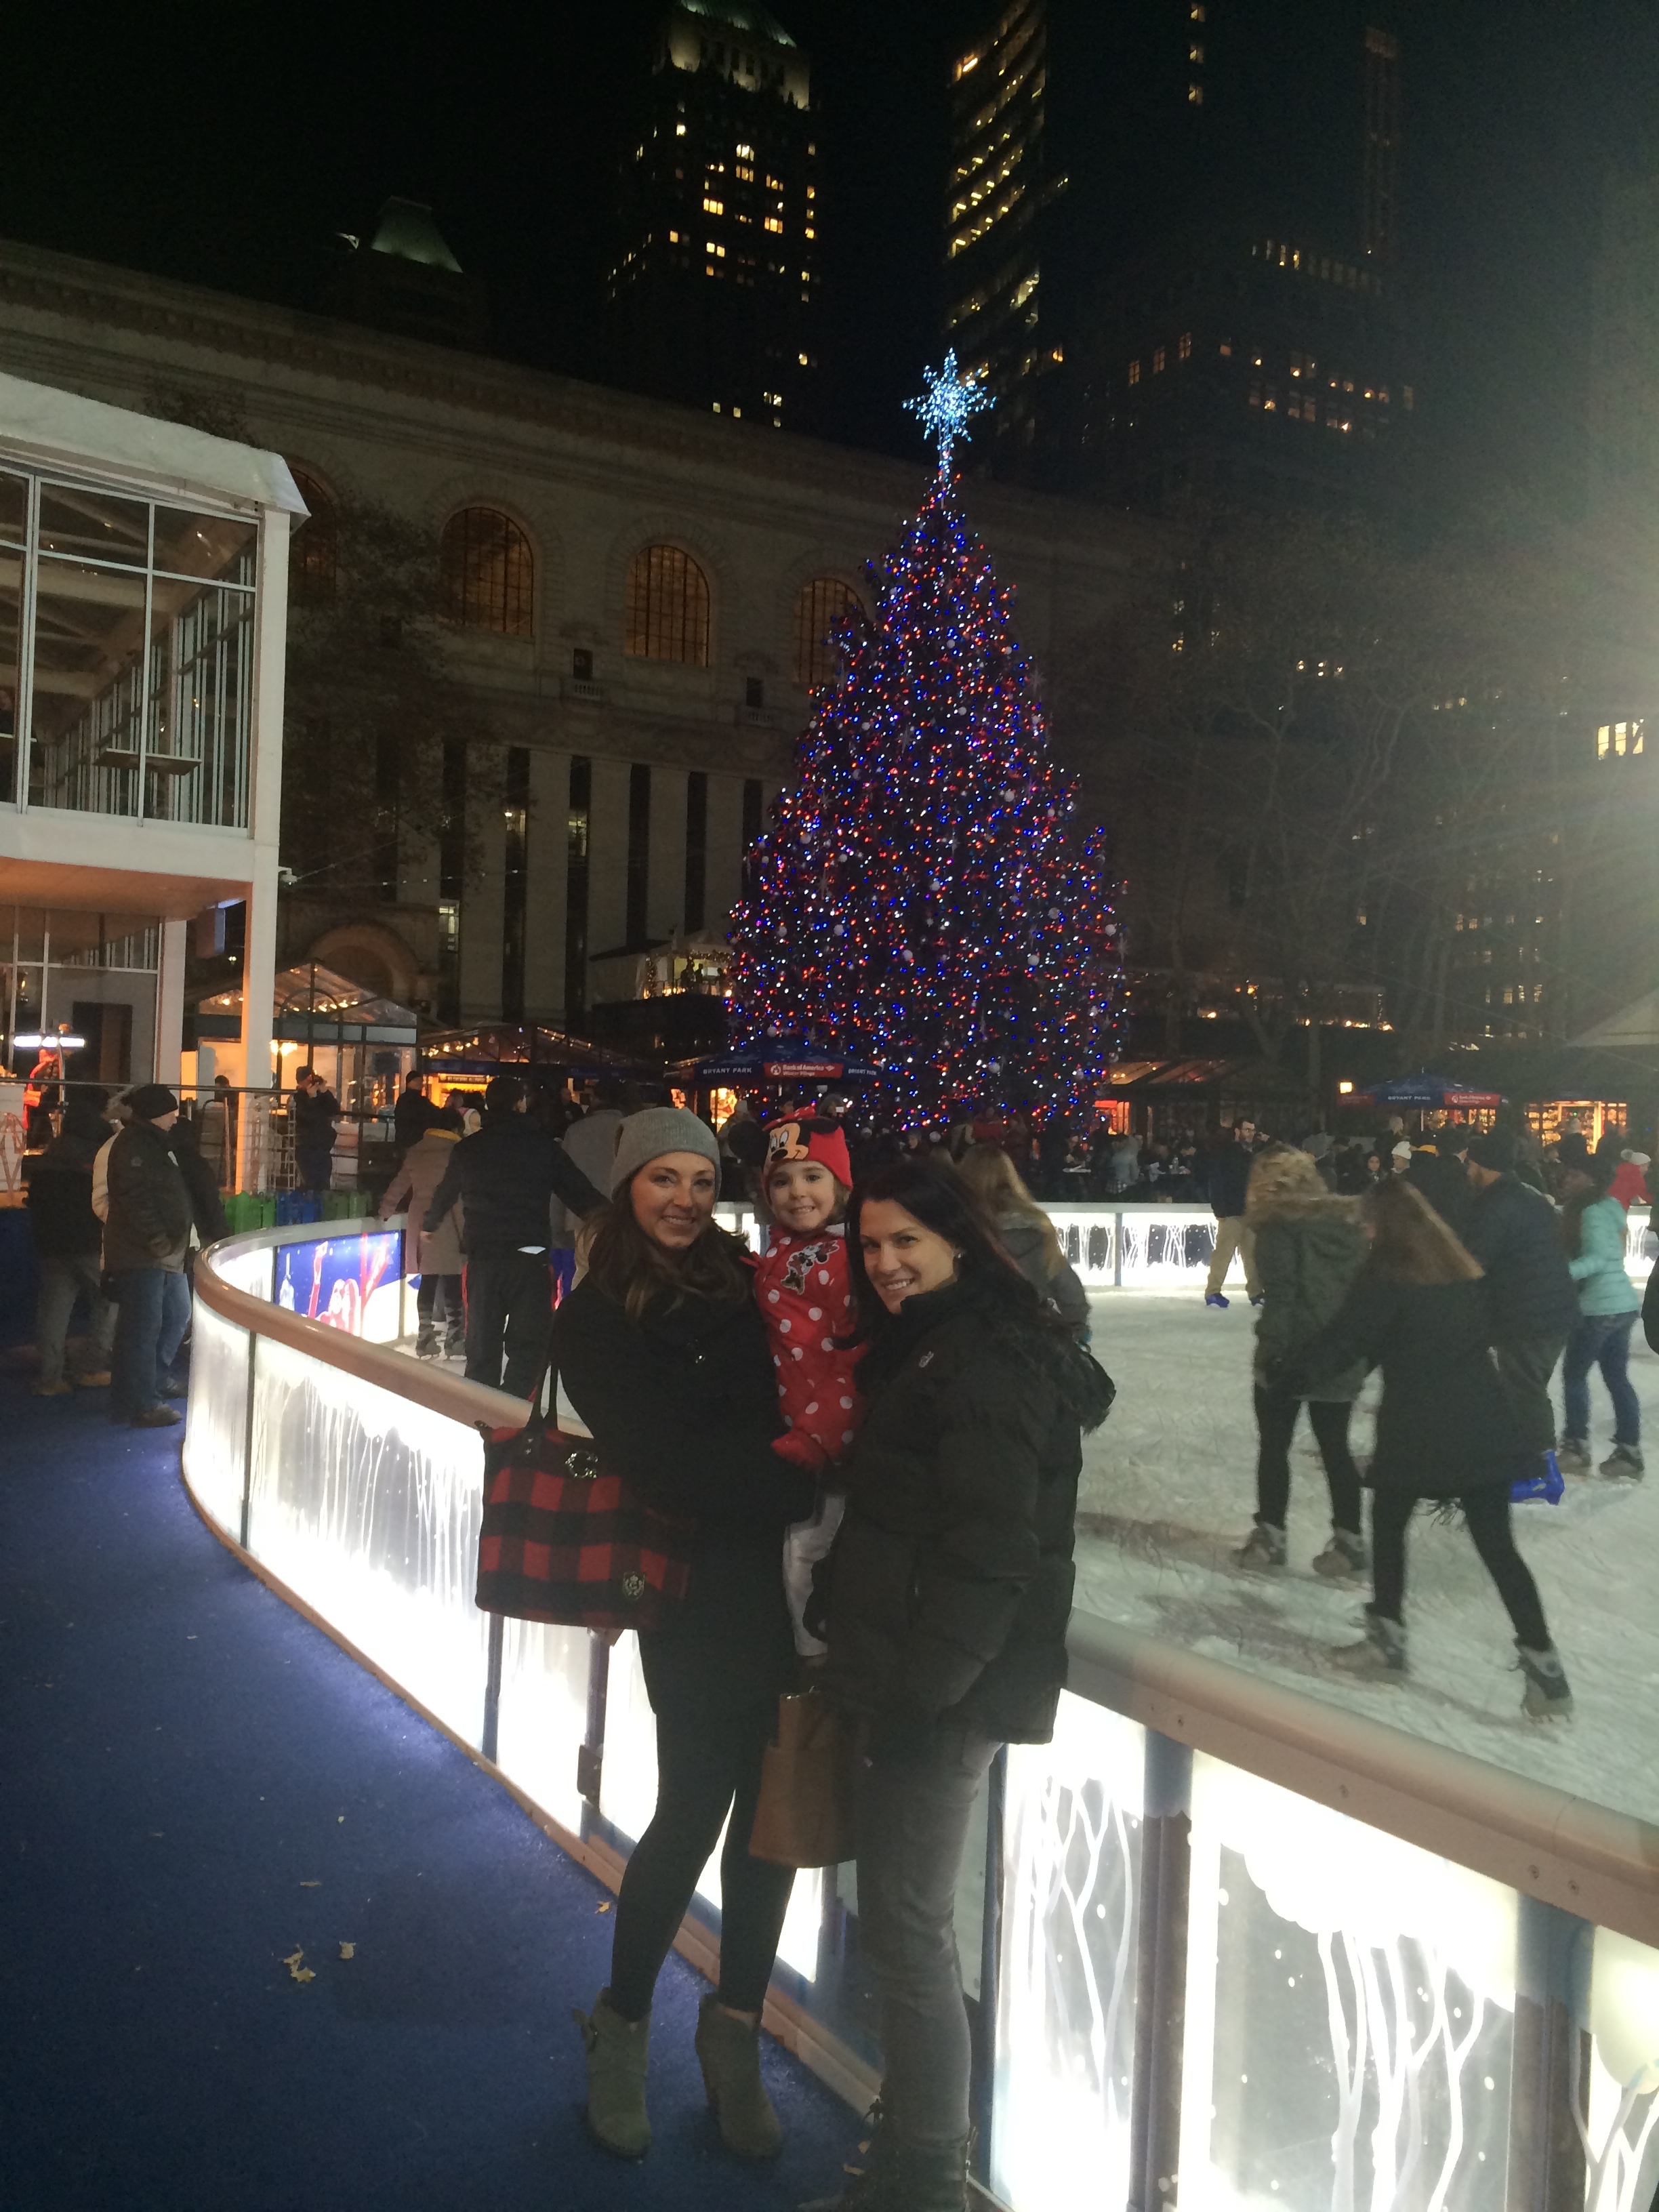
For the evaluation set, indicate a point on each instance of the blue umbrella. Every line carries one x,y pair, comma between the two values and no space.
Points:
785,1059
1433,1091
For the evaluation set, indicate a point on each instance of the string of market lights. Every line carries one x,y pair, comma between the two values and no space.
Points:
921,890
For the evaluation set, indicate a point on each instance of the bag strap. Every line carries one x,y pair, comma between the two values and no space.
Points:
547,1374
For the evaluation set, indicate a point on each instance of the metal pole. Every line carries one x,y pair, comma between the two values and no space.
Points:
1549,2068
984,2018
247,1440
492,1708
590,1755
1160,1994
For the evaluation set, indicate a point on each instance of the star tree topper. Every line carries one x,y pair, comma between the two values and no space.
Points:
944,410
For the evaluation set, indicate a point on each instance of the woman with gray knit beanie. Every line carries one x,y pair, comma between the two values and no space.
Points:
664,1357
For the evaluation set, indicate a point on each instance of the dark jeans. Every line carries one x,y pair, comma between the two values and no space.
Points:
154,1314
1600,1340
911,1823
509,1303
1275,1418
706,1766
313,1168
1524,1368
1488,1513
63,1276
439,1299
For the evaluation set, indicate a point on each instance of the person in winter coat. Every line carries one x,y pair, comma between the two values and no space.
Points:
1593,1232
1229,1180
1026,1234
438,1251
1440,1172
1629,1182
801,1289
665,1357
592,1144
507,1178
1446,1428
68,1241
1511,1232
409,1116
1308,1247
948,1595
316,1110
147,1239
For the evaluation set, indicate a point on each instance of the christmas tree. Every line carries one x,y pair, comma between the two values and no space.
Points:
922,889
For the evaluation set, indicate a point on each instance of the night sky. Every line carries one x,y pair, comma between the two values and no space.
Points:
226,142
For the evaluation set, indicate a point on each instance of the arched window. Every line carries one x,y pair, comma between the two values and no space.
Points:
313,546
667,606
488,572
820,607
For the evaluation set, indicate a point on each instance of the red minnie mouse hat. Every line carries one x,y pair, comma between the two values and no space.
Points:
810,1137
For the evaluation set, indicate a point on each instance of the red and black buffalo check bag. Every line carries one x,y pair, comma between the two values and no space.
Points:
564,1540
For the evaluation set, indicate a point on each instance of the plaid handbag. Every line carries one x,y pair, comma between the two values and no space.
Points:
562,1540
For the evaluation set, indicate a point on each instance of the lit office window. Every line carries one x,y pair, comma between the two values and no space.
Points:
488,572
667,606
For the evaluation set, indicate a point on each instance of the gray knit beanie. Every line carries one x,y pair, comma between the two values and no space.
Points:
660,1129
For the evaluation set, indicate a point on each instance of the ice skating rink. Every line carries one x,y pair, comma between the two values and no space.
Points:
1169,1488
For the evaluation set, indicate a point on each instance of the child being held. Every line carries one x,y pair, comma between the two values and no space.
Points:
806,1299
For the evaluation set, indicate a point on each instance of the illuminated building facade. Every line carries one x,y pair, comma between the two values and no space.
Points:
712,297
1171,245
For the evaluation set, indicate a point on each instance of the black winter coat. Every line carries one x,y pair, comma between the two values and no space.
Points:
315,1113
1445,1425
60,1198
950,1585
1442,1180
506,1177
1308,1251
684,1404
1227,1178
150,1214
1514,1233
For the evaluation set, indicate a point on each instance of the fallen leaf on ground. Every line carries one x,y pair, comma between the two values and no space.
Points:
348,1950
311,1885
601,1908
297,1971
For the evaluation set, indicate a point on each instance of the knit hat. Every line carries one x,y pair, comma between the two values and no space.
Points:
810,1137
1494,1149
646,1136
1402,1150
150,1101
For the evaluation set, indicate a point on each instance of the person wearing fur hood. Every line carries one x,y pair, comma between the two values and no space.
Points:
1308,1247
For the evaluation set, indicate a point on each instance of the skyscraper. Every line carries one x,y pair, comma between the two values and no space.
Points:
1171,232
713,296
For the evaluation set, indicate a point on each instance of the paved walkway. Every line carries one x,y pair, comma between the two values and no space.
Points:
195,1785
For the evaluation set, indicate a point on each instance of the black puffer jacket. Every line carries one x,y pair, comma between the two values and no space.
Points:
950,1586
1516,1236
507,1178
60,1198
1445,1425
684,1404
150,1214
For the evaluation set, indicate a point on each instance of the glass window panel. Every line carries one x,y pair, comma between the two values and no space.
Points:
201,701
11,580
89,688
14,508
94,525
217,546
105,940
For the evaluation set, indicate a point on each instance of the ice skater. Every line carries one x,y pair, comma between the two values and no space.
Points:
1593,1231
1308,1247
1447,1429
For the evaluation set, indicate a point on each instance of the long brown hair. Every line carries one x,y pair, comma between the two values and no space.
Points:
1590,1183
995,1182
1410,1241
635,1272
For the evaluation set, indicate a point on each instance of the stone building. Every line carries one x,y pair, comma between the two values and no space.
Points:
638,596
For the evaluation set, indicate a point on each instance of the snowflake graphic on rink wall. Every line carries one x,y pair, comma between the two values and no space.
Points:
922,891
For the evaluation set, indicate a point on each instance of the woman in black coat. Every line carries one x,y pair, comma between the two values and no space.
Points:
1446,1428
949,1591
664,1355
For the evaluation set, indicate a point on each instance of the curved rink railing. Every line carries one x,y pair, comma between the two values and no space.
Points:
1222,1942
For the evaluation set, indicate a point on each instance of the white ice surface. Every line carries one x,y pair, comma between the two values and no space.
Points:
1169,1488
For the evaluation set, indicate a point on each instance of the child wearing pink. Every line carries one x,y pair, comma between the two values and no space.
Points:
805,1298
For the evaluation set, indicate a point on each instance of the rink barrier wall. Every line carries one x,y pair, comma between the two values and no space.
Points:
1222,1942
1151,1247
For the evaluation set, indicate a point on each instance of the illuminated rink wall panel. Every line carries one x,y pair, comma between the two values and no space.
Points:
1206,1988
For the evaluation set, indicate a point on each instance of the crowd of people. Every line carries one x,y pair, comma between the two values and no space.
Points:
873,1431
